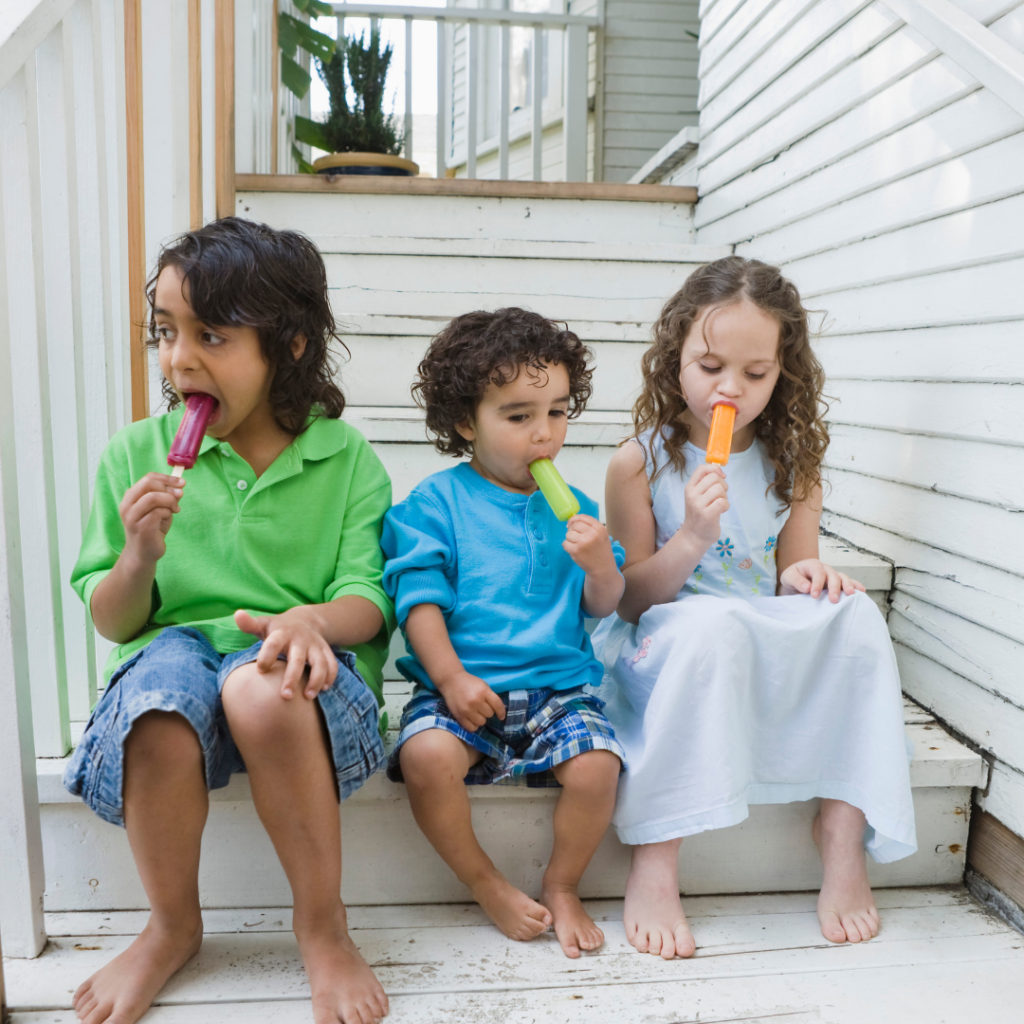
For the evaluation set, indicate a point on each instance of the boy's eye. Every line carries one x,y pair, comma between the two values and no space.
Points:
557,412
162,332
518,417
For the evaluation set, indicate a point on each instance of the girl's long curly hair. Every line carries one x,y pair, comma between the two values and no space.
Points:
791,426
244,274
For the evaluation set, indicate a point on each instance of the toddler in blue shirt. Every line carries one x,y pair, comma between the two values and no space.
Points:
491,590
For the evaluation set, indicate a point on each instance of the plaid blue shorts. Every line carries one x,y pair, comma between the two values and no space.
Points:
542,728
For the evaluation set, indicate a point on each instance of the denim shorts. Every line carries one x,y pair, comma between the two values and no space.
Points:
180,671
541,729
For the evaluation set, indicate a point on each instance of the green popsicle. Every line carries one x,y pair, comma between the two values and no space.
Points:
562,501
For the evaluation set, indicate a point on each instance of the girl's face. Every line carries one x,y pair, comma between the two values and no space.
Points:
225,362
523,420
730,355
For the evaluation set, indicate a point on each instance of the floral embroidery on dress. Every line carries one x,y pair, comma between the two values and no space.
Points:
725,548
698,575
645,645
748,563
770,546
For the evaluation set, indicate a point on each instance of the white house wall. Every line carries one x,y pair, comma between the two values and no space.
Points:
840,143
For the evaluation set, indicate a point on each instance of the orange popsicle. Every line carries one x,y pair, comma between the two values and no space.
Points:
720,439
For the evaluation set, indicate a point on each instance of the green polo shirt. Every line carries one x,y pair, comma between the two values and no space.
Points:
307,531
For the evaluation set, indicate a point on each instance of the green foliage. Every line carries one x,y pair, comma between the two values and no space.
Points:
313,7
293,34
355,76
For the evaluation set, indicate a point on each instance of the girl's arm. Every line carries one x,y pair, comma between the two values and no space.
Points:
800,570
652,576
468,697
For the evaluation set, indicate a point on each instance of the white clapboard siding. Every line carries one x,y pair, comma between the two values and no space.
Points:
649,81
885,180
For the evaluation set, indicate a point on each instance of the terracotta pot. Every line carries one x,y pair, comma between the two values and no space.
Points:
365,163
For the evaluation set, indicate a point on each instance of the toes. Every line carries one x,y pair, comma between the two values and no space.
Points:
592,939
654,943
668,946
685,946
570,949
640,941
831,927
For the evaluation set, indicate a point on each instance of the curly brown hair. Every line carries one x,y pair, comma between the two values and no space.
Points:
791,426
481,348
244,274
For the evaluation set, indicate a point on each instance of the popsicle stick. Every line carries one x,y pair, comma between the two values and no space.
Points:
178,471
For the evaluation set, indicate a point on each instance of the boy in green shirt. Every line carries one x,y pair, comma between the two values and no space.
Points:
272,537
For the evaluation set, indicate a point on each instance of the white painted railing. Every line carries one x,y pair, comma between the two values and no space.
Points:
64,388
465,151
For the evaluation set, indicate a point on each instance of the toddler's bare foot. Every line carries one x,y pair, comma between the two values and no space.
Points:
514,913
123,990
344,988
574,927
846,907
653,916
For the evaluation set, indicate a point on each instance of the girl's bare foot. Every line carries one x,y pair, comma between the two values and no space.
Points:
846,907
514,913
574,927
123,990
345,989
653,915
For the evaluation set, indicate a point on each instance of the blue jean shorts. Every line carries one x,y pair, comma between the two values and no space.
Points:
542,728
180,671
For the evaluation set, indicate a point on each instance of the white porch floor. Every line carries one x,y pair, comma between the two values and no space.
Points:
939,957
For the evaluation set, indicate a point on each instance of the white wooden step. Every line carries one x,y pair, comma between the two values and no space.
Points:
759,959
370,217
388,861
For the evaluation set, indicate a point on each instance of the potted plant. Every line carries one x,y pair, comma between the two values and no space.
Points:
358,136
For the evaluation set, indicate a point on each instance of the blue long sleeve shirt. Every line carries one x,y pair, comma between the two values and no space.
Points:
493,562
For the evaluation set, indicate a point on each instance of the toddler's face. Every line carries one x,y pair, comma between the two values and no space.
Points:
225,362
730,355
524,420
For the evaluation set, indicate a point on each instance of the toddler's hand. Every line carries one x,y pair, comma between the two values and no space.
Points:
470,700
812,576
706,498
147,510
588,545
291,633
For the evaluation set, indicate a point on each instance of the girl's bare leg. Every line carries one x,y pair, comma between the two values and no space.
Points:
291,772
582,815
653,916
846,907
434,764
165,808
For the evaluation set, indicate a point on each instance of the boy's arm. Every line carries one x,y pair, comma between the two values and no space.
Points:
589,546
468,697
121,602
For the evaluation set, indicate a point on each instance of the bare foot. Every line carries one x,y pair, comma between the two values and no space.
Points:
653,916
123,990
345,989
514,913
574,927
846,907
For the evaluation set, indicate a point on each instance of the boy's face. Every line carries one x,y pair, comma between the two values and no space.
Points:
517,423
225,362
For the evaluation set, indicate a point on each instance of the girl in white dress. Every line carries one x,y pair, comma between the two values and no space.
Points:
739,668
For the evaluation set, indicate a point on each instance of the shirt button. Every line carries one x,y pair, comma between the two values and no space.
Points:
225,453
538,534
242,485
543,560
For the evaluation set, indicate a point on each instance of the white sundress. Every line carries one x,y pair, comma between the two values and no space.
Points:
731,696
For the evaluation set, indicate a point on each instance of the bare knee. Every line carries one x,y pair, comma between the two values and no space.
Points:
163,742
254,706
435,757
594,772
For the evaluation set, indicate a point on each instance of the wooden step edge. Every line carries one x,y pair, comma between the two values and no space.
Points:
474,188
997,853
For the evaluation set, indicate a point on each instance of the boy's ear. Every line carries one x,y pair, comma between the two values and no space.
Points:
298,346
466,428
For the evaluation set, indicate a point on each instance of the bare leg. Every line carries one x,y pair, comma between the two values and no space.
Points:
165,807
434,764
653,916
846,908
582,815
290,770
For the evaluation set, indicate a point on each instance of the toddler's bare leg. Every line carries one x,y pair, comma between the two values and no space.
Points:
165,808
582,815
291,772
653,916
846,908
434,764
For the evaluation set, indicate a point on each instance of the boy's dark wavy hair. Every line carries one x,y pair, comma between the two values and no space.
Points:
244,274
481,348
792,425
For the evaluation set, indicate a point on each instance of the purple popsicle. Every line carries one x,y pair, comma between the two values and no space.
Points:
199,410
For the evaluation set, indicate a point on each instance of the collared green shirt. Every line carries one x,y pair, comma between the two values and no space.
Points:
307,531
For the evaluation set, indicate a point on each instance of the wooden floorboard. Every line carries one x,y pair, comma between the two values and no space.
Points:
760,958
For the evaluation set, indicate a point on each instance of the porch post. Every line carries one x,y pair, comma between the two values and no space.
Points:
21,845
